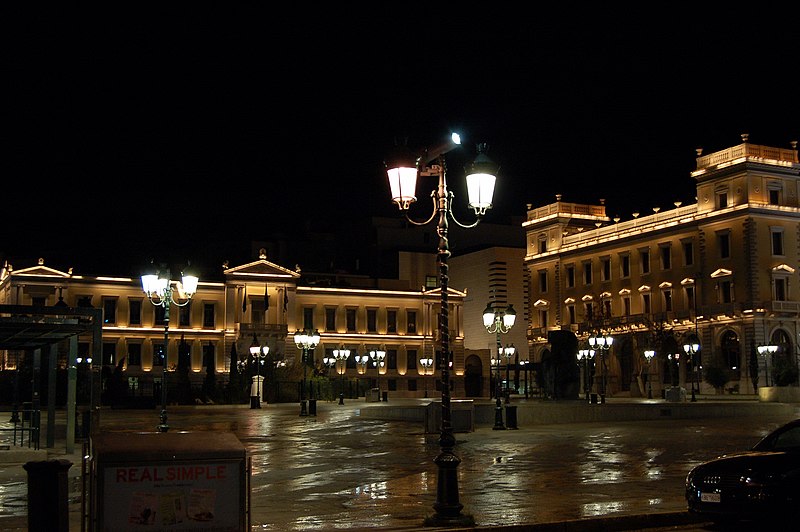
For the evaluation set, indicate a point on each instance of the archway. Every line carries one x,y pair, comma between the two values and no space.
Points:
731,353
783,359
473,376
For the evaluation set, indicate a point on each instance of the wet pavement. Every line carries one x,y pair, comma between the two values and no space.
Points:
340,470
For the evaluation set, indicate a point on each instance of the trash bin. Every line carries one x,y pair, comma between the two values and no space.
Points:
385,396
312,407
48,495
593,398
511,416
374,395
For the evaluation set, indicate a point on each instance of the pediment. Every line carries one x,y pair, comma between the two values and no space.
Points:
262,269
721,272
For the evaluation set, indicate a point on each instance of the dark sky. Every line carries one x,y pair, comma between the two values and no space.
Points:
134,133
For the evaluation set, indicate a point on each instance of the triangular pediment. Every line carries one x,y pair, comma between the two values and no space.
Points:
782,268
262,269
40,270
721,272
450,291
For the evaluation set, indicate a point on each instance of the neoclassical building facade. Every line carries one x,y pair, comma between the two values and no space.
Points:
721,272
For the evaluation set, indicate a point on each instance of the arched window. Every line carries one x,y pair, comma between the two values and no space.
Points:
784,343
729,347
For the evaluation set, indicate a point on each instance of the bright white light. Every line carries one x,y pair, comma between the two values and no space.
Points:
456,138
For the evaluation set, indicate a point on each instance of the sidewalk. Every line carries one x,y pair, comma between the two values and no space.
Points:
369,466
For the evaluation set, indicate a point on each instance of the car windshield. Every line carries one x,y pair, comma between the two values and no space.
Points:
786,440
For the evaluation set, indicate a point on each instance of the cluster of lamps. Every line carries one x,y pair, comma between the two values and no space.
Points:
307,341
497,322
602,344
259,354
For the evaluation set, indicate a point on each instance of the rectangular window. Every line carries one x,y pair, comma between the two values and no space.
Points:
625,265
571,312
570,276
350,318
726,292
587,273
606,268
724,240
666,257
777,241
542,318
542,245
391,359
330,319
690,297
109,353
135,312
160,315
607,308
185,315
372,320
411,359
258,310
109,310
209,320
431,281
38,301
158,354
626,305
722,200
209,357
668,300
646,303
134,354
391,321
774,196
780,289
589,309
411,321
543,281
688,254
308,318
644,260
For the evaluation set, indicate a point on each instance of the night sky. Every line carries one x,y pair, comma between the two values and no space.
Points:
132,134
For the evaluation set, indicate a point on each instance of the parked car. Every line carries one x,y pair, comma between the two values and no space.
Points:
762,483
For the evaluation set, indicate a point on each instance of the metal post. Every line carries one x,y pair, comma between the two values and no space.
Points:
498,405
163,426
508,378
303,405
341,382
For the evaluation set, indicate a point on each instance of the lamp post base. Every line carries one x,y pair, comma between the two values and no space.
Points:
254,402
341,398
498,416
303,407
163,427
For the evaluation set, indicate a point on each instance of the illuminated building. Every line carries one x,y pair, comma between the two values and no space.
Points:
723,269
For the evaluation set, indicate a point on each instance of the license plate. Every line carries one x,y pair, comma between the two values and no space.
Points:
709,497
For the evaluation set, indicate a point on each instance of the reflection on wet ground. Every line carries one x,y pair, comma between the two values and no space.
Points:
336,470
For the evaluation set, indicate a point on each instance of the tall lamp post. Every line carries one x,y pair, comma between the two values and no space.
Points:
378,356
525,363
427,369
691,349
767,351
341,355
508,352
586,355
259,354
649,354
158,287
402,171
498,322
602,344
361,366
307,341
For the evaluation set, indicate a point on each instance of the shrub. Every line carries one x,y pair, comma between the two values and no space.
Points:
784,372
715,376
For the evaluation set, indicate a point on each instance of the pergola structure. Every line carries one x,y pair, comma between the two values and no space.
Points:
34,329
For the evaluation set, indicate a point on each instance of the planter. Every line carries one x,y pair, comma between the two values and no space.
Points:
779,394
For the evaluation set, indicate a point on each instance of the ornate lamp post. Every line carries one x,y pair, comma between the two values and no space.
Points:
259,354
674,370
525,363
767,351
378,356
602,344
508,352
402,172
427,366
649,354
498,322
307,341
341,355
158,287
586,355
692,349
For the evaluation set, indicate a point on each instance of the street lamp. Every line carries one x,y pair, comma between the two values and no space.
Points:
602,344
692,348
767,351
508,352
305,340
378,356
525,363
341,355
158,287
498,322
586,355
674,368
259,354
427,365
649,354
402,172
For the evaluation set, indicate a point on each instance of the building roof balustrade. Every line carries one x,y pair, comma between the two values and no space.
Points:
749,151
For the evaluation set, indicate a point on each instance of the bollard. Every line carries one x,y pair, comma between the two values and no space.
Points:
511,416
48,495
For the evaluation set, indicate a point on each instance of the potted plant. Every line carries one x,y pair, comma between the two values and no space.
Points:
716,376
784,380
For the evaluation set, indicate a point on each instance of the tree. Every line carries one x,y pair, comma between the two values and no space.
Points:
716,376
